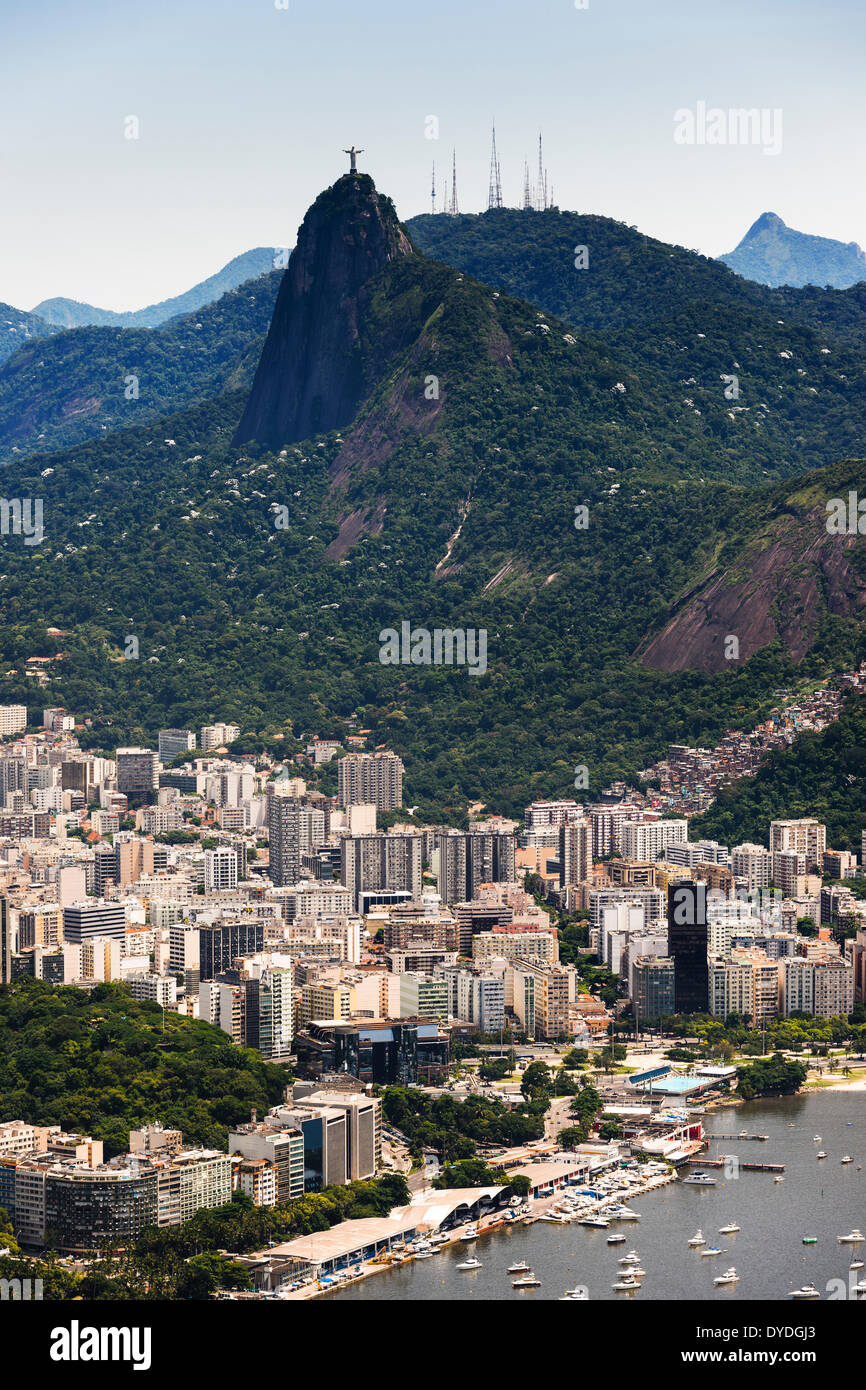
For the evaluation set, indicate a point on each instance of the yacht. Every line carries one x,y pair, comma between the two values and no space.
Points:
575,1295
852,1238
778,1178
519,1267
712,1250
516,1202
807,1291
616,1240
626,1282
471,1263
860,1287
730,1276
698,1238
632,1258
597,1222
810,1240
846,1158
424,1254
699,1180
729,1229
469,1233
816,1138
822,1153
856,1264
526,1281
622,1213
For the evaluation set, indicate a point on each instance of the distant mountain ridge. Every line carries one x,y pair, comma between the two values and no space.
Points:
71,313
774,254
18,328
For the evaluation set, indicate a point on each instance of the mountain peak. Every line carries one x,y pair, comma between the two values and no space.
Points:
308,379
776,254
767,222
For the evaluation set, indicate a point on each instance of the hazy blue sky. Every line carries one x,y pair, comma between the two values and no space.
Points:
244,109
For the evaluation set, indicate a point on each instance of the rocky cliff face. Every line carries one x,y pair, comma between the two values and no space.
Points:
783,584
311,377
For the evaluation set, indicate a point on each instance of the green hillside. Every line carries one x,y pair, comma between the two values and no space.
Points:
102,1063
452,507
73,386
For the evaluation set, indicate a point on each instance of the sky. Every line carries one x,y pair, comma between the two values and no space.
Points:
244,107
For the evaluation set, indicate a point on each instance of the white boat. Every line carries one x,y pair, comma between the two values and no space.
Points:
699,1180
852,1238
846,1158
632,1258
730,1276
860,1287
471,1263
816,1138
856,1264
779,1178
424,1254
616,1240
526,1281
576,1295
822,1153
516,1202
634,1271
469,1233
698,1238
807,1291
598,1222
711,1250
729,1229
622,1213
519,1267
625,1283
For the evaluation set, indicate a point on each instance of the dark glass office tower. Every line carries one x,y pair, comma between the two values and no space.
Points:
687,945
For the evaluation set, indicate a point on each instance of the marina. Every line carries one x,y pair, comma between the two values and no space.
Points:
772,1261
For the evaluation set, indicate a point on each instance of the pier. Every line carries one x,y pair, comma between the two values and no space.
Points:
747,1167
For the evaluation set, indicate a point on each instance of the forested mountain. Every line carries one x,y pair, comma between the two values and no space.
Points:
17,328
259,578
86,382
71,313
777,255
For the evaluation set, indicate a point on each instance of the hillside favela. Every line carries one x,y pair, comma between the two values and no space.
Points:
433,676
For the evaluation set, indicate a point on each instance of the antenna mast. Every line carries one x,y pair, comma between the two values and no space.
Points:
494,196
453,210
527,190
433,190
541,191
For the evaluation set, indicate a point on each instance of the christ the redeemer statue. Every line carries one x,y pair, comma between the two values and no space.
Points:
353,153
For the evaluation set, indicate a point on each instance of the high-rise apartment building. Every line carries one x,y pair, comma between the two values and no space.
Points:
220,870
371,778
13,719
806,837
381,862
137,773
174,741
218,736
575,851
284,840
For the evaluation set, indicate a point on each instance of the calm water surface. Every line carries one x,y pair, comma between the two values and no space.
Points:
823,1198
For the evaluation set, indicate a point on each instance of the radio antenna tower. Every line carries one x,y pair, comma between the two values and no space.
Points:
433,190
541,190
527,189
453,210
494,196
